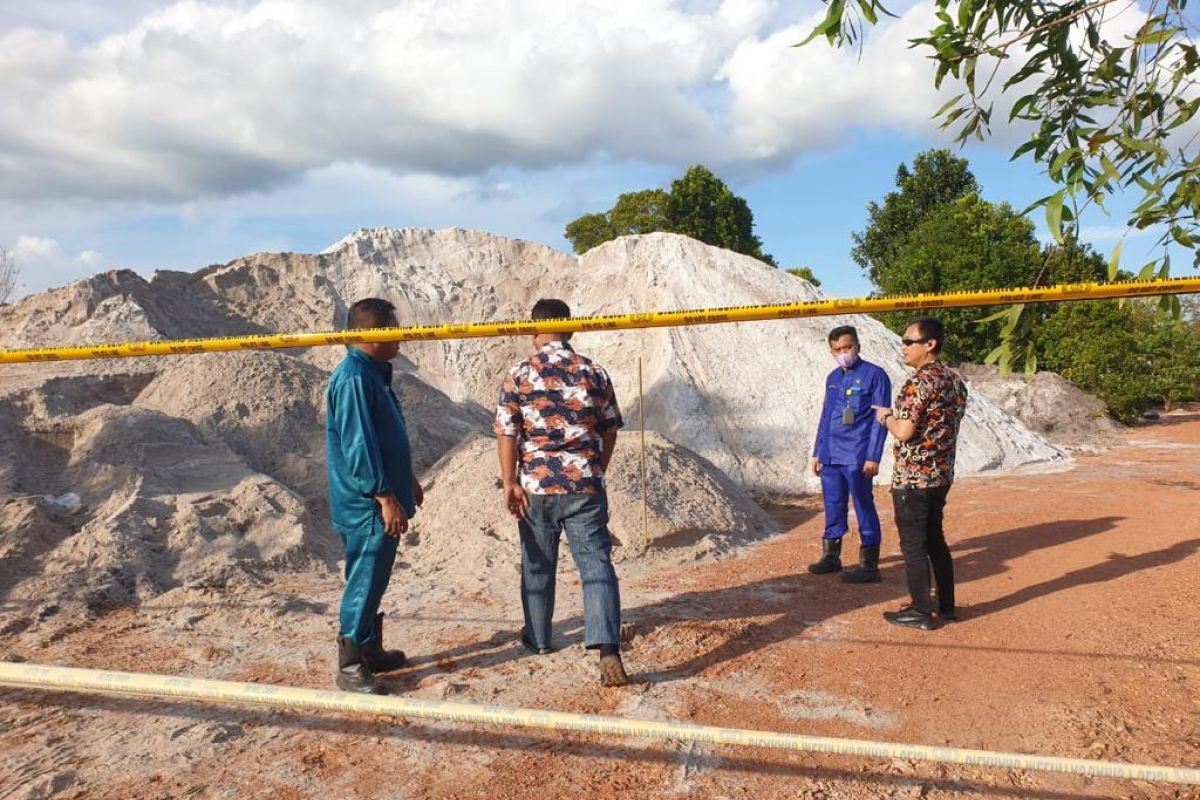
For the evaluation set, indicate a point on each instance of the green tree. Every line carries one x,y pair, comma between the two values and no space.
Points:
1106,109
936,178
639,212
588,231
699,204
1110,365
961,245
805,273
1125,353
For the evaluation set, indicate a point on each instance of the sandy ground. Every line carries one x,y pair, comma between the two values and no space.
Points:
1077,638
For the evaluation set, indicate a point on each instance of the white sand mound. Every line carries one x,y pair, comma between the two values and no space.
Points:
188,465
745,396
270,409
160,506
692,511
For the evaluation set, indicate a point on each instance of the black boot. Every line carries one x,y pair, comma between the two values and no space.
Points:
353,673
378,659
831,557
868,567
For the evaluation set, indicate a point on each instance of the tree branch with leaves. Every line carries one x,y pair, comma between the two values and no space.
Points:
1111,105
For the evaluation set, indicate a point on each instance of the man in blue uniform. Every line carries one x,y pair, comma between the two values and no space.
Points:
372,493
846,455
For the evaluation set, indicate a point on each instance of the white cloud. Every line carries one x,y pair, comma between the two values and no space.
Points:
193,101
89,260
786,99
42,261
36,249
205,98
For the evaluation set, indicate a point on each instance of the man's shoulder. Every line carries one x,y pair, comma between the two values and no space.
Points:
520,368
352,370
585,362
874,369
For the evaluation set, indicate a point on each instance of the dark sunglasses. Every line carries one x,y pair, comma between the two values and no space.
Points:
909,342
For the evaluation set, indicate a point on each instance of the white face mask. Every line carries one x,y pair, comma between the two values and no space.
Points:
846,360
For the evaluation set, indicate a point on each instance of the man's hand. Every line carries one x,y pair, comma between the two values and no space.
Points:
395,521
871,469
515,499
418,492
816,466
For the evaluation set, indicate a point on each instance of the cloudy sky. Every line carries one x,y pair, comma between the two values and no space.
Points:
175,135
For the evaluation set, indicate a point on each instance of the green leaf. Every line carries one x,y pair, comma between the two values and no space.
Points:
993,317
1054,213
948,104
1156,37
829,25
1114,261
1182,236
1147,272
1109,167
1060,160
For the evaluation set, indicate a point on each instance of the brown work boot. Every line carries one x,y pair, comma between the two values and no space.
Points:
612,671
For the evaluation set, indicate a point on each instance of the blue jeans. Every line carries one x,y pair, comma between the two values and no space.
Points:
838,481
585,519
370,554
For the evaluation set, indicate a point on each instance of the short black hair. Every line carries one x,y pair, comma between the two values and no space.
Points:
371,312
931,328
549,308
843,330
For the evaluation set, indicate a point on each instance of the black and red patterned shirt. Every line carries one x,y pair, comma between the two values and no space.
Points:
558,404
934,399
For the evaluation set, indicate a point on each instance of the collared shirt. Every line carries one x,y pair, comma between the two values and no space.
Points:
558,404
366,443
862,440
934,399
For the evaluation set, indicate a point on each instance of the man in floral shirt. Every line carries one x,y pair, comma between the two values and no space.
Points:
556,427
929,410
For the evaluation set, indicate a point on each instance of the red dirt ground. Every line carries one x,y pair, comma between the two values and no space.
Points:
1078,637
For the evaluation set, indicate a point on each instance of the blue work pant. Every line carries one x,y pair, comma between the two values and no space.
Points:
841,483
584,517
370,554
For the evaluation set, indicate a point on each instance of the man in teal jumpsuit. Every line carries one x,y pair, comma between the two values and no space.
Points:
372,493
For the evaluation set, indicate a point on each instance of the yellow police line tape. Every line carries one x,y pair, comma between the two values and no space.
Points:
703,316
289,697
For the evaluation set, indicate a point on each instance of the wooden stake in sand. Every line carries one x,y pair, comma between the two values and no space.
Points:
642,425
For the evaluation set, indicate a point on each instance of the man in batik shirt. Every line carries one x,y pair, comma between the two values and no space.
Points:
556,426
928,413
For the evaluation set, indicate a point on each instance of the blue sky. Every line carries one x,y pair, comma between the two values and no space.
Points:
173,135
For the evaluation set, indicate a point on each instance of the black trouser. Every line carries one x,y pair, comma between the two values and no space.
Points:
923,542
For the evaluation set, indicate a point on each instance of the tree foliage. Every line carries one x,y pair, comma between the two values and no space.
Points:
699,205
1123,352
936,178
966,244
804,273
1108,110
